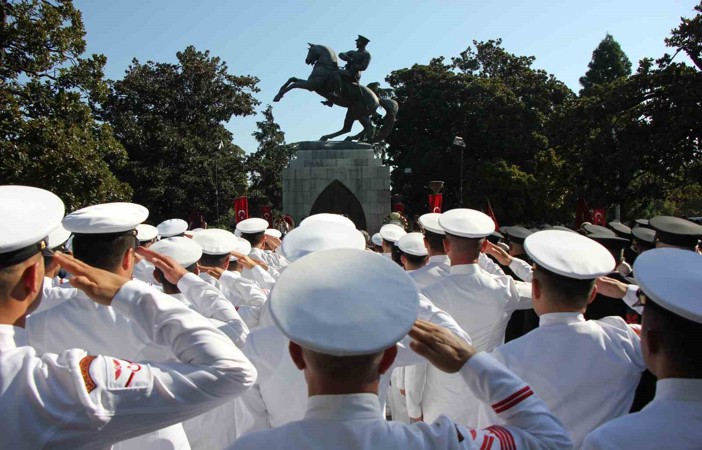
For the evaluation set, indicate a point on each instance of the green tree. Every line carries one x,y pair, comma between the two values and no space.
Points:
687,38
609,63
170,118
498,104
48,133
266,165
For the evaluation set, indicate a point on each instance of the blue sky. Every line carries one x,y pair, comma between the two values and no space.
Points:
269,39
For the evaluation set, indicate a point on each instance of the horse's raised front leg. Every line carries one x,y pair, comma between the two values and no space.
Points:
294,83
348,123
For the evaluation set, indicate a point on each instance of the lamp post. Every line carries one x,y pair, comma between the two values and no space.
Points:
460,143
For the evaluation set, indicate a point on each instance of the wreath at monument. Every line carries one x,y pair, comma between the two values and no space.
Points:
397,218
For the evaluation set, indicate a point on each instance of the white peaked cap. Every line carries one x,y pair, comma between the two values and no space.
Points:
328,218
58,236
569,254
467,223
413,244
377,239
243,247
273,232
344,302
215,241
391,232
27,215
671,278
106,218
320,236
430,222
184,250
146,232
172,227
252,226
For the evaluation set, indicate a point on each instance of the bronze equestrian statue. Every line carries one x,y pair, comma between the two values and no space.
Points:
341,87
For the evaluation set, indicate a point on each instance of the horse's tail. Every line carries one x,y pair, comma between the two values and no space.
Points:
391,108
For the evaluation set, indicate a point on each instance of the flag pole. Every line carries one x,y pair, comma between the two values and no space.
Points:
219,148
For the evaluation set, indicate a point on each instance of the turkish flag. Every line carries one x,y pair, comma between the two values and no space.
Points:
241,208
398,207
267,214
491,213
599,217
435,201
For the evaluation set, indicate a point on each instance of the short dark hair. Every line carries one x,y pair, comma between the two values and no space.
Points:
414,259
213,260
362,368
466,245
565,291
434,240
253,238
396,253
167,284
679,338
104,251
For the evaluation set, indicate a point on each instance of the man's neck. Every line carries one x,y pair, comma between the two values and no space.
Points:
333,387
433,252
459,260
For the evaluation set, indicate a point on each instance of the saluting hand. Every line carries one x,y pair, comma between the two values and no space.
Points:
609,287
244,260
440,347
215,272
100,285
498,253
169,266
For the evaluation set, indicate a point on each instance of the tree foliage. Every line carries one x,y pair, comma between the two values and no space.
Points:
498,104
266,165
609,63
48,133
170,118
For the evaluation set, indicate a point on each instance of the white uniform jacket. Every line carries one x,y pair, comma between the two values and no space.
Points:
280,394
437,267
53,295
672,421
481,304
353,421
585,371
82,323
76,400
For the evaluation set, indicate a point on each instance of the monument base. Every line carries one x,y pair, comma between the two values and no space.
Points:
337,177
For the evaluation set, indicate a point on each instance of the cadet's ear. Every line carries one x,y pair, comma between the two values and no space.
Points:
484,247
389,356
33,278
128,259
296,355
447,245
535,288
593,294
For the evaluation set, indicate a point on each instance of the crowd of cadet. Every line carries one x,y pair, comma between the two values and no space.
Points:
119,334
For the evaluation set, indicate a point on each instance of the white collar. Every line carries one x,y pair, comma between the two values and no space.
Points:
465,269
439,259
12,337
343,407
565,318
681,389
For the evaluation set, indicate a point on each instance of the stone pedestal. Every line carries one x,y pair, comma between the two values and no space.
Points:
338,177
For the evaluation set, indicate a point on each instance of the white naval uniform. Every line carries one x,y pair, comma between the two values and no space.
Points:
53,295
144,271
672,421
82,323
586,371
437,267
73,400
522,269
353,421
481,304
280,393
261,255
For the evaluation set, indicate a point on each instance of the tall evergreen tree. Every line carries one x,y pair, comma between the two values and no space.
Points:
170,118
267,163
609,62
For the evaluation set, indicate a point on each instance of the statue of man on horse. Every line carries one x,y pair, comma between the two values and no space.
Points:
341,87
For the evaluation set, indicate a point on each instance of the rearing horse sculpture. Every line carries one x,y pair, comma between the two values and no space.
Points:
360,101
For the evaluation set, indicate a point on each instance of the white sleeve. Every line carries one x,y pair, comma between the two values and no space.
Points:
632,299
415,377
208,300
122,399
522,269
247,289
528,422
520,292
262,277
489,265
250,412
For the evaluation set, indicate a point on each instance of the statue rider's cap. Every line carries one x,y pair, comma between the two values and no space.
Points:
363,39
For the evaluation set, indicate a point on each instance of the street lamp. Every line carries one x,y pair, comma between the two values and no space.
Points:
459,142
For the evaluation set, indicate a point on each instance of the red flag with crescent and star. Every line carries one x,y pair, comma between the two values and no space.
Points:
241,208
435,201
599,217
267,215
